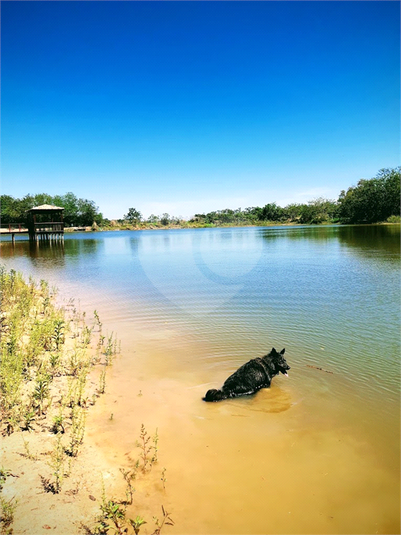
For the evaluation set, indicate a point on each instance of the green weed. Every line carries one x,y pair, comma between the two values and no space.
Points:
7,508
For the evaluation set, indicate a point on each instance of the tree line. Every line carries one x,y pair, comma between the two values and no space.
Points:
77,212
370,201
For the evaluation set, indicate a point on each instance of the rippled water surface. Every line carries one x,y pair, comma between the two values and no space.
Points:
318,452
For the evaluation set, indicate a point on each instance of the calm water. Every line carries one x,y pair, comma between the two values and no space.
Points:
318,452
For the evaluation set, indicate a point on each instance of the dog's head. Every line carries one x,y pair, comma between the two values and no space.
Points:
278,362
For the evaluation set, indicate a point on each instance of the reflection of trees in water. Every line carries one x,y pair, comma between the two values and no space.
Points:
364,239
315,233
8,249
370,239
78,247
52,252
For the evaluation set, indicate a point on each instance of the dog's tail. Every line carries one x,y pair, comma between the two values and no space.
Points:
214,395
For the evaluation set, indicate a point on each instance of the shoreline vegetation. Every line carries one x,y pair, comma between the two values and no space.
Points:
376,200
53,370
115,226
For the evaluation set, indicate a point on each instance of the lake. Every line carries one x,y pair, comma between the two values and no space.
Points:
318,452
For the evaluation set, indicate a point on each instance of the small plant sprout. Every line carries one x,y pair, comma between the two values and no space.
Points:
166,520
58,335
110,350
28,453
164,478
155,446
78,417
146,449
57,465
102,381
97,319
41,393
54,361
58,422
101,341
129,476
27,419
86,335
7,508
112,517
137,523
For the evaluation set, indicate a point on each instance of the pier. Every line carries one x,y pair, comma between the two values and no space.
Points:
44,223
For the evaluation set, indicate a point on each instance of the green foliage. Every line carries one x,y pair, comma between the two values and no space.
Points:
372,200
317,211
7,510
165,219
136,523
133,216
77,212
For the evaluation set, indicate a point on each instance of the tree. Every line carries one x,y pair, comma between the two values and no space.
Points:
317,211
153,219
70,203
76,211
133,216
8,209
165,219
272,212
371,200
87,212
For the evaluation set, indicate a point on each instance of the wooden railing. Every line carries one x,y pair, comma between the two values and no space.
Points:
49,226
13,227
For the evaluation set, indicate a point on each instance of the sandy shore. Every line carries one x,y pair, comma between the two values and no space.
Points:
55,476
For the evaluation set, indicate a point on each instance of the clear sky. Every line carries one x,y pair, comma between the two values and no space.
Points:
186,107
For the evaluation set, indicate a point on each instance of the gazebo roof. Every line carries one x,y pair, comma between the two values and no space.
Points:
45,208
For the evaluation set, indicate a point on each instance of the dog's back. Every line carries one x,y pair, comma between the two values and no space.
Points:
250,377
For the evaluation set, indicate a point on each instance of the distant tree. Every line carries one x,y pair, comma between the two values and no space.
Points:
272,212
317,211
87,212
153,219
165,219
133,216
371,200
9,212
41,198
70,203
253,213
292,212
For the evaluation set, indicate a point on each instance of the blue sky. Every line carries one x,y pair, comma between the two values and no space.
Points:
186,107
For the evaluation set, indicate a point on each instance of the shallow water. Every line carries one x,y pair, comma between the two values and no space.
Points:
318,452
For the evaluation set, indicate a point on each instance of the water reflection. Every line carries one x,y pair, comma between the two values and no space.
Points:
364,238
368,239
46,253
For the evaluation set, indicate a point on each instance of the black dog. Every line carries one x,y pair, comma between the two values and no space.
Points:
251,377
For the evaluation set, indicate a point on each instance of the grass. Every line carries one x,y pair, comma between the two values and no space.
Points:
47,355
39,373
44,367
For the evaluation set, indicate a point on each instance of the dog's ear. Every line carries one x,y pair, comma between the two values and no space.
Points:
274,351
282,351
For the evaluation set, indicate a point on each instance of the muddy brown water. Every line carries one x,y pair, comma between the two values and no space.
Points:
318,452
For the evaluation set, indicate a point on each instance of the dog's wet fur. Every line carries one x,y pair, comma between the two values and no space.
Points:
251,377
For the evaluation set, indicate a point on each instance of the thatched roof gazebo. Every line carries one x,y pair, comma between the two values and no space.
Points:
46,222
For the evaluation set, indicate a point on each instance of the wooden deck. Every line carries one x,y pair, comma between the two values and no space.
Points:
49,230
